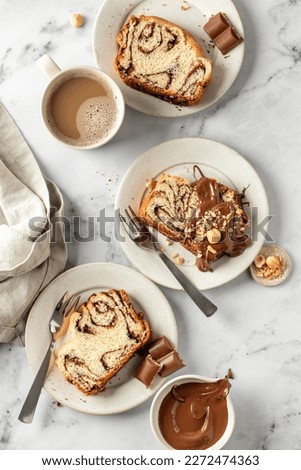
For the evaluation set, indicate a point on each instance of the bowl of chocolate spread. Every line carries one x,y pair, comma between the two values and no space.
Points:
193,412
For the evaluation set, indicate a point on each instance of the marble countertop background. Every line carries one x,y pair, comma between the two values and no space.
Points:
256,331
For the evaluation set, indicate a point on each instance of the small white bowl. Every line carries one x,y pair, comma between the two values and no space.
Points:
273,250
161,394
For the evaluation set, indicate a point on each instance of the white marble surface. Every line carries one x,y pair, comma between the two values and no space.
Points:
256,330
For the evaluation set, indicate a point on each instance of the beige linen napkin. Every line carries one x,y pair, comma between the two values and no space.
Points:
32,246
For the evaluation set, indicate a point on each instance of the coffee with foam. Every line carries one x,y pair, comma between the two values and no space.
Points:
82,109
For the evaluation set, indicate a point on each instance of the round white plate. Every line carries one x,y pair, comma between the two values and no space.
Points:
177,157
124,391
112,16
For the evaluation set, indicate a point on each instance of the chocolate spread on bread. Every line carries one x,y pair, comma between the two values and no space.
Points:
219,223
205,216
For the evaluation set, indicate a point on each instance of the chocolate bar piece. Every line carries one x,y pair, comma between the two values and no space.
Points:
170,363
147,370
160,347
161,359
216,25
227,40
222,33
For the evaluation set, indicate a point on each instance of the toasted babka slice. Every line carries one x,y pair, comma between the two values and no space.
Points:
169,203
102,336
160,58
205,216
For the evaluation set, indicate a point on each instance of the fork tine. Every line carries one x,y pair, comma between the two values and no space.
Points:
138,222
133,213
132,222
68,309
135,223
124,224
67,305
72,309
62,301
122,218
136,219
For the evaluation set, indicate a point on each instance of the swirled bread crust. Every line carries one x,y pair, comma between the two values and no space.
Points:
205,216
103,335
160,58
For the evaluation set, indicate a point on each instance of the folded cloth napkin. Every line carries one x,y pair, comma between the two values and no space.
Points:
32,245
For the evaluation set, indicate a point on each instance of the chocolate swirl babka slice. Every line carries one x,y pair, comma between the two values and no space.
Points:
102,336
169,205
162,59
205,216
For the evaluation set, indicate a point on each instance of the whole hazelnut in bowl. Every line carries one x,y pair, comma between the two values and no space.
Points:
192,412
271,266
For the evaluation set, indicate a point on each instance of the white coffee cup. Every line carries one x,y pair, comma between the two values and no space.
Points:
58,77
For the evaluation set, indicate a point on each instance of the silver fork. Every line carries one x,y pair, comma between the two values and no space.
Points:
140,234
62,310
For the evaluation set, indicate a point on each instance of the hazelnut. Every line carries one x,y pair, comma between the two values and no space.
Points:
213,235
228,196
76,20
174,255
268,272
259,261
179,260
273,262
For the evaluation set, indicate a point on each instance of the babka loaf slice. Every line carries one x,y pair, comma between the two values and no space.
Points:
162,59
102,336
169,205
205,216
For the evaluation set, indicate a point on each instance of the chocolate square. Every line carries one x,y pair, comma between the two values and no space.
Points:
216,25
160,347
222,33
170,363
227,40
147,370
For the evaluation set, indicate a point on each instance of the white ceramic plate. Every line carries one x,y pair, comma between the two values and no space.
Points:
177,157
124,391
113,14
